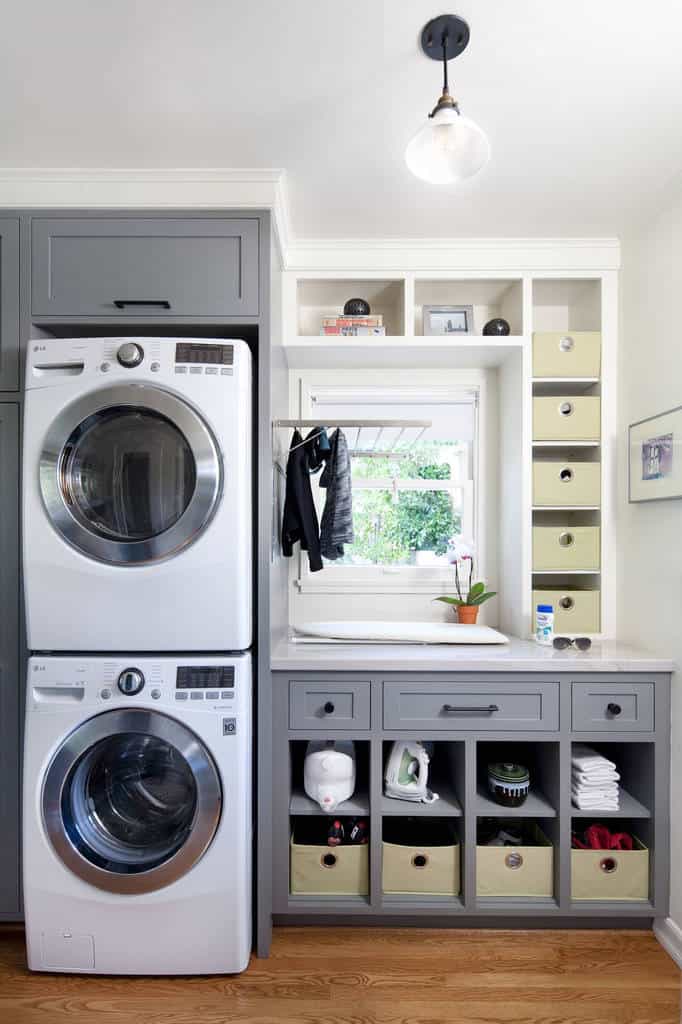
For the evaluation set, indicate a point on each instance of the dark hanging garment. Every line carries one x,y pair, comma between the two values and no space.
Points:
300,522
337,517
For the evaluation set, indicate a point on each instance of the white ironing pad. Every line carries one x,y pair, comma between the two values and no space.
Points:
401,632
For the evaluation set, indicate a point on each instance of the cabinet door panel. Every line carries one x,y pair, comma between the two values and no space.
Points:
9,660
145,267
9,304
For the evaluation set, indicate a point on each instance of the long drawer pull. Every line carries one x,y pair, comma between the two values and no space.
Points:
122,303
452,709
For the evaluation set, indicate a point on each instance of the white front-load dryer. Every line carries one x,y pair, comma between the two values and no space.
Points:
137,834
137,507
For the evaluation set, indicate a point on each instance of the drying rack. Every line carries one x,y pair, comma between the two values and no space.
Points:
371,449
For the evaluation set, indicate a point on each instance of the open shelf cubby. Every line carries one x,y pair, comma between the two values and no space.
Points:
542,760
446,778
317,298
301,804
566,304
490,298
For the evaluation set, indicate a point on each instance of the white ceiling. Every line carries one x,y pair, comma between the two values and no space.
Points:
581,100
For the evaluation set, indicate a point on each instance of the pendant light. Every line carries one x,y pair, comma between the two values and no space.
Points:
450,147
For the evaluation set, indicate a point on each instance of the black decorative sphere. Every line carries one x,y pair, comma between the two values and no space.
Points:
356,307
497,326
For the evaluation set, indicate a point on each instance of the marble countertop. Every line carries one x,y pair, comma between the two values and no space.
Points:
516,656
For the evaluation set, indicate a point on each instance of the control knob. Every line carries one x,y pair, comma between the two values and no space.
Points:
131,354
130,682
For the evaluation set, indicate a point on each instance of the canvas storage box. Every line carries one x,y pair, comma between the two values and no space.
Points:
566,547
566,418
516,870
420,857
610,874
321,870
576,611
566,354
564,484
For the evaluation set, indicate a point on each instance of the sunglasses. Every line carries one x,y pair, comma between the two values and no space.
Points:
582,643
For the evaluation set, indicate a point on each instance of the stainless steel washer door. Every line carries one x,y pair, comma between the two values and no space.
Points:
131,800
130,474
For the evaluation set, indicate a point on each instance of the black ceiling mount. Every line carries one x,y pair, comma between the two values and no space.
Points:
450,28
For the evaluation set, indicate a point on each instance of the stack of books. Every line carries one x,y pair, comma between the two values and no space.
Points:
353,326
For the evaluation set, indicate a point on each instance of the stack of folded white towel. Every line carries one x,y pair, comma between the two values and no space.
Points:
594,780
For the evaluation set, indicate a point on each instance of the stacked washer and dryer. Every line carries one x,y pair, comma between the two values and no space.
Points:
137,527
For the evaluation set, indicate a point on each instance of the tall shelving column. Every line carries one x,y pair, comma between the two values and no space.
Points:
567,454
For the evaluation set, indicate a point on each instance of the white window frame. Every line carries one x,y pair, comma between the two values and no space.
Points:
448,385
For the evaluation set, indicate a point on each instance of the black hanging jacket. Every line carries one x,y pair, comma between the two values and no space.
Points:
299,522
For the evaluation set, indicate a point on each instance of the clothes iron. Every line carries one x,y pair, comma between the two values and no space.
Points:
407,772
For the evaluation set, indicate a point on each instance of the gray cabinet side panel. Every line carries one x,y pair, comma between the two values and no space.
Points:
9,304
10,725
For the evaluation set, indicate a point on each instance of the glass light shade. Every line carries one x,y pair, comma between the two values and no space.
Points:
448,148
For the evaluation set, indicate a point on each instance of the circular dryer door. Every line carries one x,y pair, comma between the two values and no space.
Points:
131,800
130,474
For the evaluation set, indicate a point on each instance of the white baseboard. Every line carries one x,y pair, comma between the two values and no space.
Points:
669,935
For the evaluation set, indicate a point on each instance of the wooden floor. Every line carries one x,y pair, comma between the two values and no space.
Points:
392,976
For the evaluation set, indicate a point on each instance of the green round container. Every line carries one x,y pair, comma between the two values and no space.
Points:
508,783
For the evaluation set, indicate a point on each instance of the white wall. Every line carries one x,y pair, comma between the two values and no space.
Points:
650,534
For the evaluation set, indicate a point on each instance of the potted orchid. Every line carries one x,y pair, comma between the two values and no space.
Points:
470,595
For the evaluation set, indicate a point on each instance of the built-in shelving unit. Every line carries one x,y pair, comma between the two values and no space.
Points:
531,302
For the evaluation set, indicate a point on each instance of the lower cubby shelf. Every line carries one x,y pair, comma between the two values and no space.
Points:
447,858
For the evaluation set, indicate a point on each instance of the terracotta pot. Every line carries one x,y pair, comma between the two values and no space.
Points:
467,613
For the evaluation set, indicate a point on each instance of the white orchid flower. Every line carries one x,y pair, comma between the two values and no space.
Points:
459,549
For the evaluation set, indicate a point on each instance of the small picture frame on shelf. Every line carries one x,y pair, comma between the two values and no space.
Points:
448,321
655,457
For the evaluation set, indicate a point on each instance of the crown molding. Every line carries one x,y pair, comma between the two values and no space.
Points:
266,188
211,188
447,254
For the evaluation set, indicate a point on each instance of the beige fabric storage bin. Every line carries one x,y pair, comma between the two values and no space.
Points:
567,354
610,874
566,547
575,611
329,871
566,418
564,484
421,869
516,870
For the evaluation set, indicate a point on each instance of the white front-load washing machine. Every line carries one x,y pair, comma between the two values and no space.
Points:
137,508
137,814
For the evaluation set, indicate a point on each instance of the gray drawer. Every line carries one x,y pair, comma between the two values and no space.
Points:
613,707
133,266
472,705
331,705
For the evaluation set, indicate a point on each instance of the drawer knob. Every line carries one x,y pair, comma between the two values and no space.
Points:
328,860
566,539
487,709
608,865
420,860
329,708
566,344
514,860
566,475
566,408
614,709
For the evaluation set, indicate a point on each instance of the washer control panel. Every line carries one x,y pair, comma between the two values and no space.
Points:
207,684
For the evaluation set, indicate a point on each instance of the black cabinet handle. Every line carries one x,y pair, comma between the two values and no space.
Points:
329,708
122,303
614,709
452,709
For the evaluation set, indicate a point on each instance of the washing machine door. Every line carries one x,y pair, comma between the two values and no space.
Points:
131,800
130,474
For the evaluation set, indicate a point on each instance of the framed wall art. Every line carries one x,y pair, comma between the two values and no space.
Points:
655,457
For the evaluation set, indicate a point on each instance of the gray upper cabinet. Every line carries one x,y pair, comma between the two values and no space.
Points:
9,304
144,267
10,682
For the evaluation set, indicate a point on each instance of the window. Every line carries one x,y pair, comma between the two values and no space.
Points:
413,487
